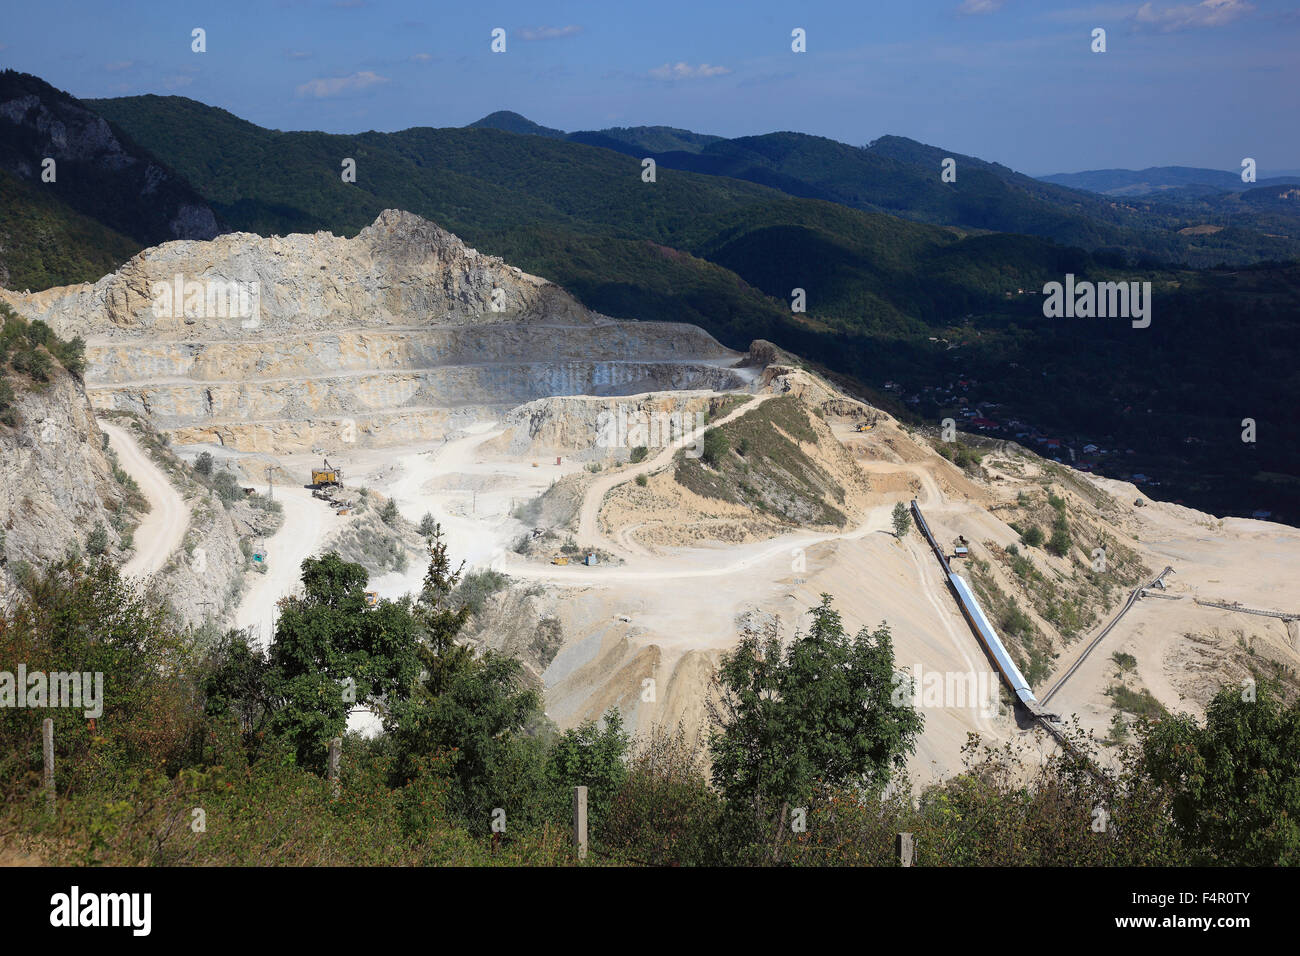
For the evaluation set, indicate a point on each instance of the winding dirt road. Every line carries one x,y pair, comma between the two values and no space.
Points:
588,520
163,528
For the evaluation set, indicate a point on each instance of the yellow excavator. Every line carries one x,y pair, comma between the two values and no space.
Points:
327,476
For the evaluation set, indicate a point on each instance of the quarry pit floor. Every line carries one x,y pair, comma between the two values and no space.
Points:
666,616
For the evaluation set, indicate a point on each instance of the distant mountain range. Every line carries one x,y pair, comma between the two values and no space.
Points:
908,279
1197,217
1186,181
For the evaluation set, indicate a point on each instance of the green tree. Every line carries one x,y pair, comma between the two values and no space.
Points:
1033,536
227,487
478,718
236,685
388,514
1236,781
71,354
902,520
590,756
820,713
39,333
74,616
428,526
203,464
474,708
441,620
39,364
328,641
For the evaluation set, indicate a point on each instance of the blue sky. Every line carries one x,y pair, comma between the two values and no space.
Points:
1014,81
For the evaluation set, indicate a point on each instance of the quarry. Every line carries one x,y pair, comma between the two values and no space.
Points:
629,497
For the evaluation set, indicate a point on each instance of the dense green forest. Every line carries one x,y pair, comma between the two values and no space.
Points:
44,242
900,176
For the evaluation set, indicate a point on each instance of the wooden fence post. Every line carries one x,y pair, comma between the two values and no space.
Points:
905,846
47,745
336,747
580,821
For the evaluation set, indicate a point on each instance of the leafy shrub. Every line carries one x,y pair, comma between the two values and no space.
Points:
97,540
1059,543
715,447
227,487
476,587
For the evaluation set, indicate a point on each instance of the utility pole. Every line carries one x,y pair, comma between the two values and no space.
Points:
47,751
270,482
580,822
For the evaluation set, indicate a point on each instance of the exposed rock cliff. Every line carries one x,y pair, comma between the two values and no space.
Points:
56,478
96,171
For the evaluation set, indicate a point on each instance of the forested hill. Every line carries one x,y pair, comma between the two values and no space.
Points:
900,176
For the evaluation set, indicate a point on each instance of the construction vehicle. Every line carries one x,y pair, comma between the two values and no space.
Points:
865,427
372,598
559,560
327,476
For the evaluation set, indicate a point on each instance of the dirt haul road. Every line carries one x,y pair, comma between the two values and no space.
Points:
588,521
697,562
307,521
163,528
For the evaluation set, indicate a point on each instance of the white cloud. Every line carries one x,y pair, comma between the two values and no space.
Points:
177,81
1208,13
548,33
971,7
421,57
684,71
336,85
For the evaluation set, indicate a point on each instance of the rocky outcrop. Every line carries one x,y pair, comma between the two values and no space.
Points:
97,172
56,478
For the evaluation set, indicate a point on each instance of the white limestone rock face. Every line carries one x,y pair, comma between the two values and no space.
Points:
263,341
